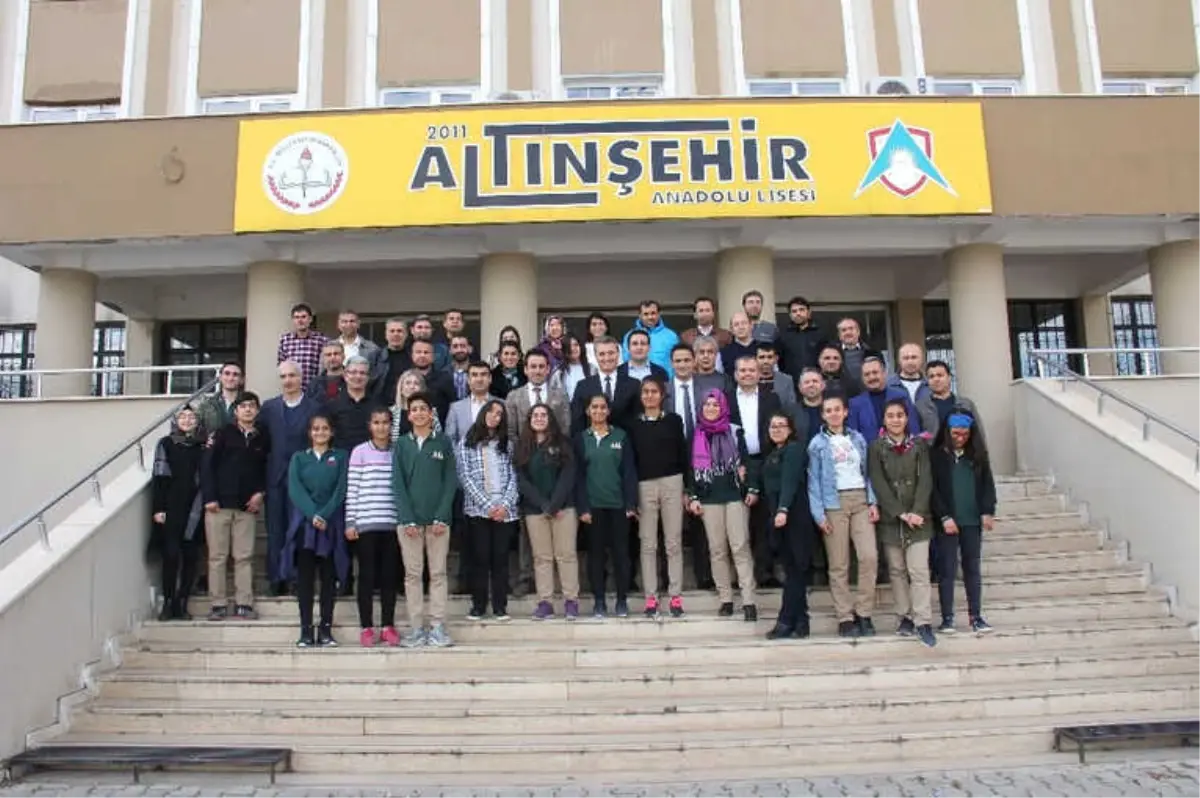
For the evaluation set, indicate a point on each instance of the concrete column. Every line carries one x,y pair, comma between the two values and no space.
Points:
272,288
743,269
1175,284
508,294
1097,333
983,361
139,351
910,322
66,320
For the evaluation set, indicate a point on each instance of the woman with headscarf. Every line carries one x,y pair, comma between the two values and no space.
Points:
553,342
178,510
719,492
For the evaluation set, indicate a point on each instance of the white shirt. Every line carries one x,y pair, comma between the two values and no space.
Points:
680,404
544,388
748,408
639,372
351,349
292,402
847,467
912,386
476,405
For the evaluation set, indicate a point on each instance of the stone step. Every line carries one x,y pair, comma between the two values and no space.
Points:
467,720
644,645
655,752
427,679
1043,503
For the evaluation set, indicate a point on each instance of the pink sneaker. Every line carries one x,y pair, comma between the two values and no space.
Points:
390,636
367,638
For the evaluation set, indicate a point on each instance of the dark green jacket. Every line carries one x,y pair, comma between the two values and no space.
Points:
784,477
423,480
317,487
903,484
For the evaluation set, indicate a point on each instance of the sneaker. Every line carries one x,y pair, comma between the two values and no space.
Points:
651,610
622,609
676,606
778,632
366,638
750,613
600,610
218,613
726,610
503,617
389,636
947,627
865,627
474,614
847,629
306,638
414,638
906,628
245,612
926,635
438,637
167,613
980,627
544,611
325,637
571,610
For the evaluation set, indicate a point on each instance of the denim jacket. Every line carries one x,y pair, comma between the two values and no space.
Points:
822,480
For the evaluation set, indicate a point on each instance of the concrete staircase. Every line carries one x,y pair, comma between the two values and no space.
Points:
1081,636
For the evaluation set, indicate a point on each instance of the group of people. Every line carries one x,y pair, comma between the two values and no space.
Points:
759,440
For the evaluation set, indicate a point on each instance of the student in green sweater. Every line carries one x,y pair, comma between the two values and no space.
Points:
423,483
316,535
900,472
790,527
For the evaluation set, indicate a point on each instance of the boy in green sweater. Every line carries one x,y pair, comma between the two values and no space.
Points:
423,483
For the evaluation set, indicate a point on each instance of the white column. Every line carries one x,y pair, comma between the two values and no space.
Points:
1097,333
982,357
66,320
139,351
1175,284
508,294
743,269
272,288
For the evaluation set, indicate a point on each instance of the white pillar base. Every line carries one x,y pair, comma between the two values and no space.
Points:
508,294
1175,283
66,320
272,288
743,269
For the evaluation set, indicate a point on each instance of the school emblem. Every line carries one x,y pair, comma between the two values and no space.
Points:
902,160
305,173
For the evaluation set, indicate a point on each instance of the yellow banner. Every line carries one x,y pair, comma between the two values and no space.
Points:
611,161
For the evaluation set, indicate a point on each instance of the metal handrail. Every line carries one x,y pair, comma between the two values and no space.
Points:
38,516
1148,416
104,371
1084,352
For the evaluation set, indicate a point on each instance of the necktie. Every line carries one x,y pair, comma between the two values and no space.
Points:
460,384
608,394
689,416
537,394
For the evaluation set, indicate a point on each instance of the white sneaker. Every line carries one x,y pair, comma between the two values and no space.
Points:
438,637
414,638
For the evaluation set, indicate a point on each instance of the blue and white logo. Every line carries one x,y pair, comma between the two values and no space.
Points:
902,160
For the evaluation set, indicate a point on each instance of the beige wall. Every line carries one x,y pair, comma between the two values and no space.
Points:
75,52
979,38
613,37
1177,399
793,38
422,43
59,608
239,56
1146,38
1144,493
96,428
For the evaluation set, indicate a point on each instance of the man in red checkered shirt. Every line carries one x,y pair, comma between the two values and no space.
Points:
303,344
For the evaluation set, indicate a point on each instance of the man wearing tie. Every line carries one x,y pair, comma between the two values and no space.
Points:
537,391
623,392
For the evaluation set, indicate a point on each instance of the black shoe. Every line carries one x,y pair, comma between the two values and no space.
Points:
802,632
325,637
780,632
245,612
847,629
347,588
926,635
621,610
906,628
218,613
865,627
306,638
279,589
180,608
167,613
726,610
750,613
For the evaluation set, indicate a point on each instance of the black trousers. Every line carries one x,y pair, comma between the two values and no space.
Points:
489,545
460,541
793,545
378,562
309,568
179,559
609,531
970,540
695,537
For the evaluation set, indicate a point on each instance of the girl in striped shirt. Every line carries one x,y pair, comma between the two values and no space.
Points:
371,520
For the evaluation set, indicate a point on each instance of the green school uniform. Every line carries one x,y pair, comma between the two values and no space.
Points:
317,485
423,480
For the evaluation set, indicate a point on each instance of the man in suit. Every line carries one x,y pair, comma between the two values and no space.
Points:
751,406
624,393
284,420
866,409
538,389
462,414
639,366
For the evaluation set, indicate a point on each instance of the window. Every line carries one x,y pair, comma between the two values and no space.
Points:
1134,327
220,106
446,95
627,87
108,347
1034,324
939,342
969,88
1148,86
796,88
70,113
16,354
188,343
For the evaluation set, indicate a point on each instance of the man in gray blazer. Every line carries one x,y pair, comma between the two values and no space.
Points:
462,414
539,389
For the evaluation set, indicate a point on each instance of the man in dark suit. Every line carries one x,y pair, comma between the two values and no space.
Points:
284,420
624,393
751,406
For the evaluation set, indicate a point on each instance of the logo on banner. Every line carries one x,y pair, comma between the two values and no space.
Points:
305,173
902,161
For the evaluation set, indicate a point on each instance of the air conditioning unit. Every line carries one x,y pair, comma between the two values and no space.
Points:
516,96
898,87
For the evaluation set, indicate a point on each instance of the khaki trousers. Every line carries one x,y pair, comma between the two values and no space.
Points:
725,528
552,540
230,532
909,571
850,523
662,496
414,549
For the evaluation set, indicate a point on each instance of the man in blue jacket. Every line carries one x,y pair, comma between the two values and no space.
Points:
866,409
662,337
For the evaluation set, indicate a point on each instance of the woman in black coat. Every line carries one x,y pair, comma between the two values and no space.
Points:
178,511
